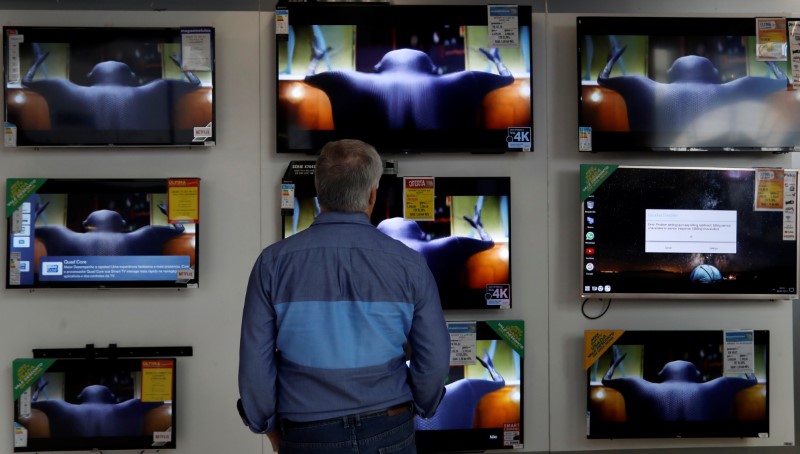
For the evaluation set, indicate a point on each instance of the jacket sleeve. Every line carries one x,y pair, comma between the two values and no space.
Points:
430,346
257,366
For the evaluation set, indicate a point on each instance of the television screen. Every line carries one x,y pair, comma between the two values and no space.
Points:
102,233
405,78
466,245
94,404
482,406
677,384
681,84
69,86
660,232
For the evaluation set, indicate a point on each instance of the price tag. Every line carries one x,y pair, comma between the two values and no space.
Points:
463,343
771,39
790,205
14,72
196,49
739,352
418,196
503,26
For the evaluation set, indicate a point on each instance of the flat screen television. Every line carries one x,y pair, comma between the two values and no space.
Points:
466,245
102,233
681,84
677,384
482,408
404,78
695,233
94,404
103,86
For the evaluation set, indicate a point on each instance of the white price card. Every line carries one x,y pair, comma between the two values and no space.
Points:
463,343
14,71
739,352
503,26
196,49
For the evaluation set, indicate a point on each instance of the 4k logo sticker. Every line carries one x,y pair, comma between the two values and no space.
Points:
498,295
520,137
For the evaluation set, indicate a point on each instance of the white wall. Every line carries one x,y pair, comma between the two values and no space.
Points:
239,206
207,318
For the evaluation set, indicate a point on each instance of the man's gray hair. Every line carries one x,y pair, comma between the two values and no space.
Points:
345,173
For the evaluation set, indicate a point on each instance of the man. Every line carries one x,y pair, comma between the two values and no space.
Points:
329,313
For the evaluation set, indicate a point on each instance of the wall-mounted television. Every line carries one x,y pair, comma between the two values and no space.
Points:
94,404
404,78
466,245
482,408
667,232
102,233
677,384
681,84
104,86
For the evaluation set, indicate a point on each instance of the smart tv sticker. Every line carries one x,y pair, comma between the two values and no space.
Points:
202,133
519,138
498,295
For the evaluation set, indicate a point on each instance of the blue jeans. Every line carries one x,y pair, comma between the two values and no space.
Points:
374,433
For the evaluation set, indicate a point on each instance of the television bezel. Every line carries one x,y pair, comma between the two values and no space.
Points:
67,365
675,26
666,337
398,142
683,296
142,184
110,31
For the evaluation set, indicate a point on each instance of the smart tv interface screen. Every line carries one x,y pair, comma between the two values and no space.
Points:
482,406
96,233
100,87
677,384
659,232
94,404
683,84
404,78
466,245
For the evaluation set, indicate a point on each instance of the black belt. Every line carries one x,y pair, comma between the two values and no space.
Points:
391,411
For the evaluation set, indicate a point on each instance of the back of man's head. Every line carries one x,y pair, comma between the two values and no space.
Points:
345,173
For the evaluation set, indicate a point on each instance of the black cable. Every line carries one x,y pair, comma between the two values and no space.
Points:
583,309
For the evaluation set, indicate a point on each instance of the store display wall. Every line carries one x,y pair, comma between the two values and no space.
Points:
240,214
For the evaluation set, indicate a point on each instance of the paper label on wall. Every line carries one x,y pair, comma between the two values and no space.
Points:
157,377
503,26
463,343
418,196
790,205
793,27
768,190
196,49
739,352
771,39
13,69
183,200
